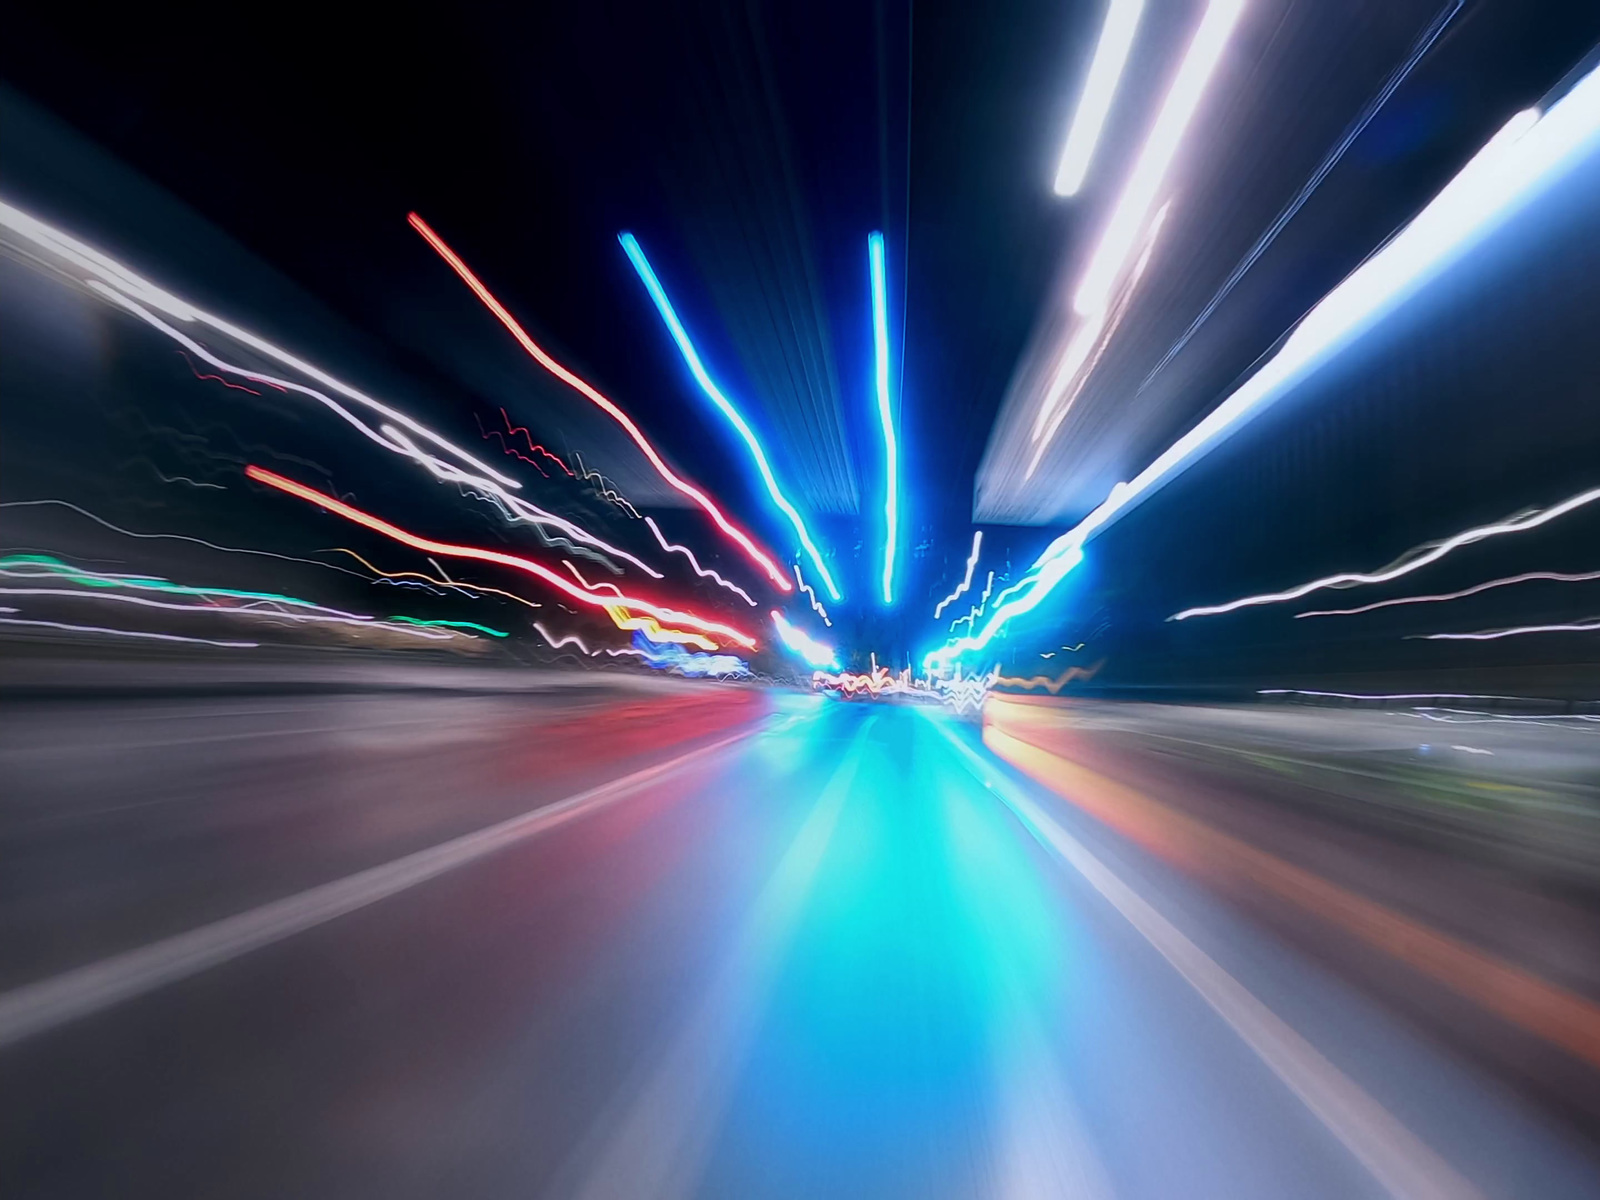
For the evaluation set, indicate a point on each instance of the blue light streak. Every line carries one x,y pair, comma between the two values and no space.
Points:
814,653
891,447
696,368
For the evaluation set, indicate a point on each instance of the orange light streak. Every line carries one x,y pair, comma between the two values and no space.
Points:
758,556
515,562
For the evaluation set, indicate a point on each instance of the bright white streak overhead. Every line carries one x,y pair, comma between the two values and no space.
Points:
1099,89
1139,193
1528,154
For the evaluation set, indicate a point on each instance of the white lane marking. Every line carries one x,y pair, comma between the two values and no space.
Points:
36,1007
1396,1157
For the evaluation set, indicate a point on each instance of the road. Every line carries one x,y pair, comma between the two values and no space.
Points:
726,943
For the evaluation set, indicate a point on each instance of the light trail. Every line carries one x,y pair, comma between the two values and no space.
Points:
132,633
471,590
112,279
1491,635
512,507
686,662
604,489
1053,686
756,555
691,358
515,562
93,585
1407,563
1399,76
556,643
453,625
967,693
875,682
1088,346
360,622
891,445
977,609
1099,89
624,620
811,594
1551,576
674,548
809,649
1161,146
1384,695
966,580
48,566
533,446
183,537
1530,153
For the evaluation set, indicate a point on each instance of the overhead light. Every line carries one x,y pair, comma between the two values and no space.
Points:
1099,89
1139,193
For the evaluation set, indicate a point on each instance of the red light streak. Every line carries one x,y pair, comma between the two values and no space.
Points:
754,552
515,562
533,447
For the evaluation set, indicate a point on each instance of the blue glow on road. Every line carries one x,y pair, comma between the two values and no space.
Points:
891,446
698,370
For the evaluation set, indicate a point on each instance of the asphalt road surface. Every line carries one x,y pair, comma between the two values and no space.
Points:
725,943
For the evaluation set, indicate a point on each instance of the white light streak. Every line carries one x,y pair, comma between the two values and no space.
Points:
966,580
672,547
1405,565
133,633
120,281
1099,89
119,285
811,594
1551,576
570,639
1490,635
1139,193
1385,695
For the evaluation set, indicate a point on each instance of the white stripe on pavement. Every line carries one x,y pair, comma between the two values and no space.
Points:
1401,1163
36,1007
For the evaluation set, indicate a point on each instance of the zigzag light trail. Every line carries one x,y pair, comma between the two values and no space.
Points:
811,594
966,580
515,562
1405,565
387,436
1528,577
691,358
673,547
756,555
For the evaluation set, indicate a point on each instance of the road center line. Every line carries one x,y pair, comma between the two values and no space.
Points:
37,1007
